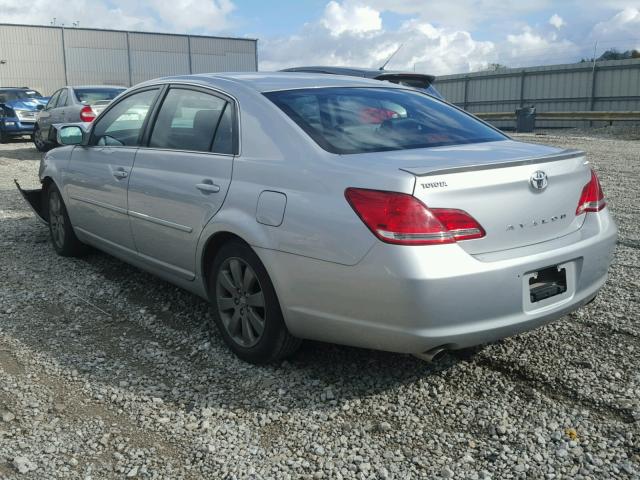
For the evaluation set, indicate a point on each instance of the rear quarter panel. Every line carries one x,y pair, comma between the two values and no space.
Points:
277,155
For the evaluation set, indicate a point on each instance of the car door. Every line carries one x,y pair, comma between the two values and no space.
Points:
180,179
45,119
97,175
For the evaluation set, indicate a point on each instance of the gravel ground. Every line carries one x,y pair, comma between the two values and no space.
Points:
107,372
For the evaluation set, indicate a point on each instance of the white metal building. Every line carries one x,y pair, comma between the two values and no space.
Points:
47,58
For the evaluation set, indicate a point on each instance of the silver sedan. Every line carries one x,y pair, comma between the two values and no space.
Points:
71,104
331,208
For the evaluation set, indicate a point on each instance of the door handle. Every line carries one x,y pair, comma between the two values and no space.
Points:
208,186
120,174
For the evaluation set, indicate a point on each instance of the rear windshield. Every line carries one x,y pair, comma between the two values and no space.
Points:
92,95
357,120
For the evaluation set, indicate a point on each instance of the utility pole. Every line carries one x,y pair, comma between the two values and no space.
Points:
592,100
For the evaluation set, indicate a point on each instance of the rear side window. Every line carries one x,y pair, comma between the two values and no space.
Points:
62,101
122,124
357,120
193,120
53,100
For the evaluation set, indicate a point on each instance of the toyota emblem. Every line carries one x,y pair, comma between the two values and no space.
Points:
539,180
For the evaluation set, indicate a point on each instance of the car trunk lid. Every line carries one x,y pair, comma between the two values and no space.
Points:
497,185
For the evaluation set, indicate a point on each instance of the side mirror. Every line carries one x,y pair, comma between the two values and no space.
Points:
70,135
39,107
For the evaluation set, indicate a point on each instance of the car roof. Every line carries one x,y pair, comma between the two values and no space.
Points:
271,81
119,87
16,88
356,71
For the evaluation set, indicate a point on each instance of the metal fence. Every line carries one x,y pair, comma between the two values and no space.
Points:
604,86
46,58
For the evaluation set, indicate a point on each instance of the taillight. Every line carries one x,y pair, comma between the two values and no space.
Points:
403,219
592,197
87,114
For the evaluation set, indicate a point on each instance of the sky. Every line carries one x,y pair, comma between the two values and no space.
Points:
434,36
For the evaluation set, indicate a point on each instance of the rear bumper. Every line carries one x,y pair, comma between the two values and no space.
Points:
14,127
413,299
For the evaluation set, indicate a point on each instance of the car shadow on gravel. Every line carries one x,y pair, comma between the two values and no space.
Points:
113,323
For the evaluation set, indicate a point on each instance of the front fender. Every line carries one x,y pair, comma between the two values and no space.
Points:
53,165
34,199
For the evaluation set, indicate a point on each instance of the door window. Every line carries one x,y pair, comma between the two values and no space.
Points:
53,100
122,124
191,120
223,142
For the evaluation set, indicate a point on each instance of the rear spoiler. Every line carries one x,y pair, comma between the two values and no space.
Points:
418,79
554,157
35,201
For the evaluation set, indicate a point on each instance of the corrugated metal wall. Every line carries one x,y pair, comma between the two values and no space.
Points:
32,57
96,57
36,56
610,86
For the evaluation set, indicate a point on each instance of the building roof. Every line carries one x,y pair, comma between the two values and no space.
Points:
62,27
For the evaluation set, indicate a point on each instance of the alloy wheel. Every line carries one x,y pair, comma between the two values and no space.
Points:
37,139
241,302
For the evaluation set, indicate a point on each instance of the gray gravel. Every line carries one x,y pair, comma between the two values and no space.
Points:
107,372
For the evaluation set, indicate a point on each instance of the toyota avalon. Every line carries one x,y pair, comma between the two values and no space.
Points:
333,208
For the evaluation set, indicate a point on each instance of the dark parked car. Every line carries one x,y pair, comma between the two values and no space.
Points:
408,79
18,111
69,105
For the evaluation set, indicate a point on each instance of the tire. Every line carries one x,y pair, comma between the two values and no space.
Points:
63,237
245,306
4,138
41,144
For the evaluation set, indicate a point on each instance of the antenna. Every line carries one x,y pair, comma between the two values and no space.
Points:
392,55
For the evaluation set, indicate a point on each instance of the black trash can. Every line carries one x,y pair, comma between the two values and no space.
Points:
526,119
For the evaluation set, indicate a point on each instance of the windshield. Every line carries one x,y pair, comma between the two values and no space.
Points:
92,95
356,120
11,95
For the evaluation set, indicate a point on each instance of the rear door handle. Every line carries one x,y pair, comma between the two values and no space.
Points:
208,186
120,173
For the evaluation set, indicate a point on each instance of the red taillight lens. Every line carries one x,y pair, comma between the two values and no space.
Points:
87,114
592,198
403,219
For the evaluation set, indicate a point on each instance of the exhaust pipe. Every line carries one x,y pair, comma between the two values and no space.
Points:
431,355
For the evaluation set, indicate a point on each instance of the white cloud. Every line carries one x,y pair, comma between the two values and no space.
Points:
621,30
534,48
190,15
425,47
557,21
347,36
464,14
353,18
157,15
